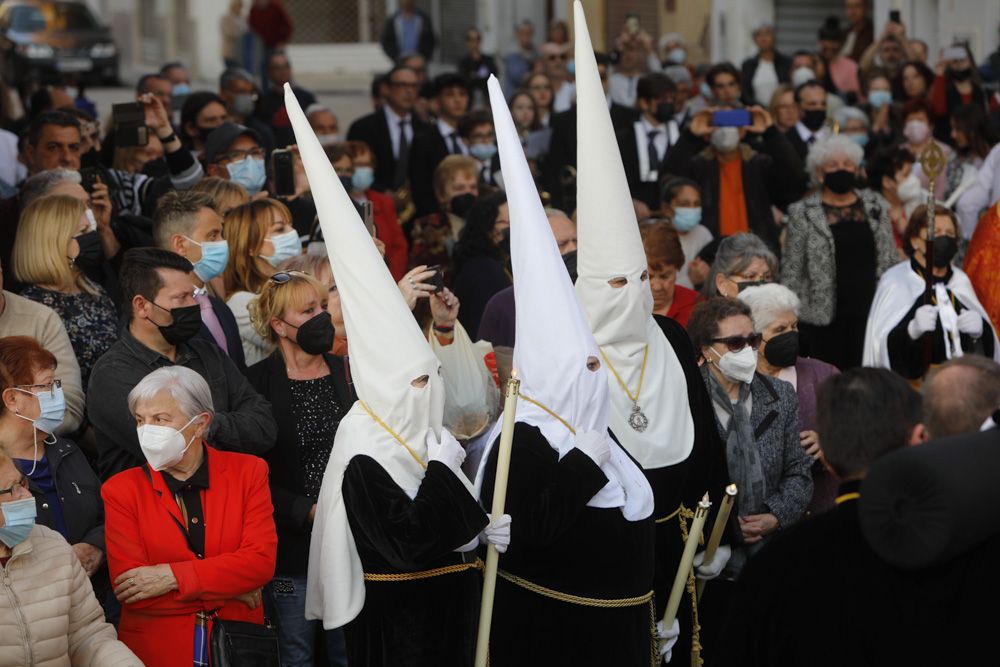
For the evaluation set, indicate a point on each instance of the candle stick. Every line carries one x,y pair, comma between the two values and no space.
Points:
499,500
721,519
684,569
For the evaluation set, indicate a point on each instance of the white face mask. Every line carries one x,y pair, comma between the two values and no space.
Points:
909,189
163,446
725,139
738,366
802,75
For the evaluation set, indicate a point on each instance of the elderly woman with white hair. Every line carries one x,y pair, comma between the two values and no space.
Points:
190,535
775,313
837,245
854,124
742,261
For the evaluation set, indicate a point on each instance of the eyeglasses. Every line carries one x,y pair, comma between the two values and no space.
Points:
404,84
40,388
23,483
737,343
236,156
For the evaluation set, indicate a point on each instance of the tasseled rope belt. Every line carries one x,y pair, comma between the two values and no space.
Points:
425,574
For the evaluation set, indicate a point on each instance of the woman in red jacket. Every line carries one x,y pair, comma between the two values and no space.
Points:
665,258
190,536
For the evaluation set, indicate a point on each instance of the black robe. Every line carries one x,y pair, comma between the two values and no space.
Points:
425,622
560,543
686,482
908,357
818,595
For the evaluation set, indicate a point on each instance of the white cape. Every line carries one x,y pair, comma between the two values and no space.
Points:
897,291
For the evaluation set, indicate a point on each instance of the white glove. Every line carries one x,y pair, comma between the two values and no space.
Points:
667,639
468,546
595,445
497,532
447,451
970,323
924,321
714,567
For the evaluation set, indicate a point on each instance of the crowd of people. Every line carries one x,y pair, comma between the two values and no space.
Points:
771,275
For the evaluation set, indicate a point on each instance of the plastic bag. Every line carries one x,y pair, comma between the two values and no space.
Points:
472,398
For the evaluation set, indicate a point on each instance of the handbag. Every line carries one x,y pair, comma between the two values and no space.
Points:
241,644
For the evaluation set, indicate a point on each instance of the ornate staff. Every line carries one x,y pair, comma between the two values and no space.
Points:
499,499
684,569
932,161
721,519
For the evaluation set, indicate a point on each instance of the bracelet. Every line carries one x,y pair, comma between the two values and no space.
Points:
443,329
167,139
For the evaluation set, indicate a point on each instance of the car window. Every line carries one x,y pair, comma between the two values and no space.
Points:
53,17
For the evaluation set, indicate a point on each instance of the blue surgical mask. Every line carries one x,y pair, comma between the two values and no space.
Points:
214,255
51,409
571,67
687,218
483,152
677,56
705,90
248,172
363,178
860,139
879,98
18,520
286,246
181,90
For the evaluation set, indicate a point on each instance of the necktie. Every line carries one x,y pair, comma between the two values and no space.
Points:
654,155
455,150
211,320
811,140
403,158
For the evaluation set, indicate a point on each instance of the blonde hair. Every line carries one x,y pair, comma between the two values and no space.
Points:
314,265
40,249
227,195
450,166
275,298
246,229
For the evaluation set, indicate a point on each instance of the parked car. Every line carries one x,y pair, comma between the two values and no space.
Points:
54,40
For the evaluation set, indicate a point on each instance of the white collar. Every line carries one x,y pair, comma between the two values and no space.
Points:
394,118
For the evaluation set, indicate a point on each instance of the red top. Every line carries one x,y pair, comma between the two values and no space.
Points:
397,250
141,528
685,300
272,23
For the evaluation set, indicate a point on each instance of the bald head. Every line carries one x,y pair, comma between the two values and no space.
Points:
563,229
960,395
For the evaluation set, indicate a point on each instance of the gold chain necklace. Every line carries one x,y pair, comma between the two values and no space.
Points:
637,420
393,434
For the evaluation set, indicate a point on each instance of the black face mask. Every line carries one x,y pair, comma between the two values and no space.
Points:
186,323
945,249
203,133
569,259
961,74
315,335
751,283
461,204
664,112
814,119
839,182
504,243
783,349
91,253
347,182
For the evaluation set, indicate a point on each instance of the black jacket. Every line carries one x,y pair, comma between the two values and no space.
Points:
291,507
645,191
373,129
782,66
79,495
425,42
231,330
426,153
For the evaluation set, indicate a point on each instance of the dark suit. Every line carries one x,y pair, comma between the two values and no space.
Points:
782,67
645,191
426,154
286,477
373,129
800,146
229,328
562,150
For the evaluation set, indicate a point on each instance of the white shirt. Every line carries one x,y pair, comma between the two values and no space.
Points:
447,131
622,88
666,136
691,243
805,133
765,81
393,120
564,97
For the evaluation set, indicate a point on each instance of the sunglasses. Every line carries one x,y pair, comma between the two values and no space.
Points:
282,277
737,343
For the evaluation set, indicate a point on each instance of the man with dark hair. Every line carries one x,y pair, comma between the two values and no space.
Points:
271,105
960,395
810,98
391,130
478,133
163,321
156,85
238,91
724,81
186,223
452,94
644,144
54,142
409,29
819,594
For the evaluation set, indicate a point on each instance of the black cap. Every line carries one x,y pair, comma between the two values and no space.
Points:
221,138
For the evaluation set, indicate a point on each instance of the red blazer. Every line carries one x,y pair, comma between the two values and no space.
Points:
683,304
397,251
240,551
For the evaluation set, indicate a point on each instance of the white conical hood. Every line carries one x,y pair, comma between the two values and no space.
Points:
553,341
610,246
387,353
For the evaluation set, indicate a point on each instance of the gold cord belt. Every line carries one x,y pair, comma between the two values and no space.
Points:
425,574
576,599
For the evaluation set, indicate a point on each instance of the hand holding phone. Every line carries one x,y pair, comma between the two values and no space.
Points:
894,16
437,279
130,124
731,118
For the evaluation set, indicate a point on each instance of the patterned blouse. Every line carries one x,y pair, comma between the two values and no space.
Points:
317,414
90,320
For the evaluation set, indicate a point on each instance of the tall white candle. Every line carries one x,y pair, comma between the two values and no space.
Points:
687,559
